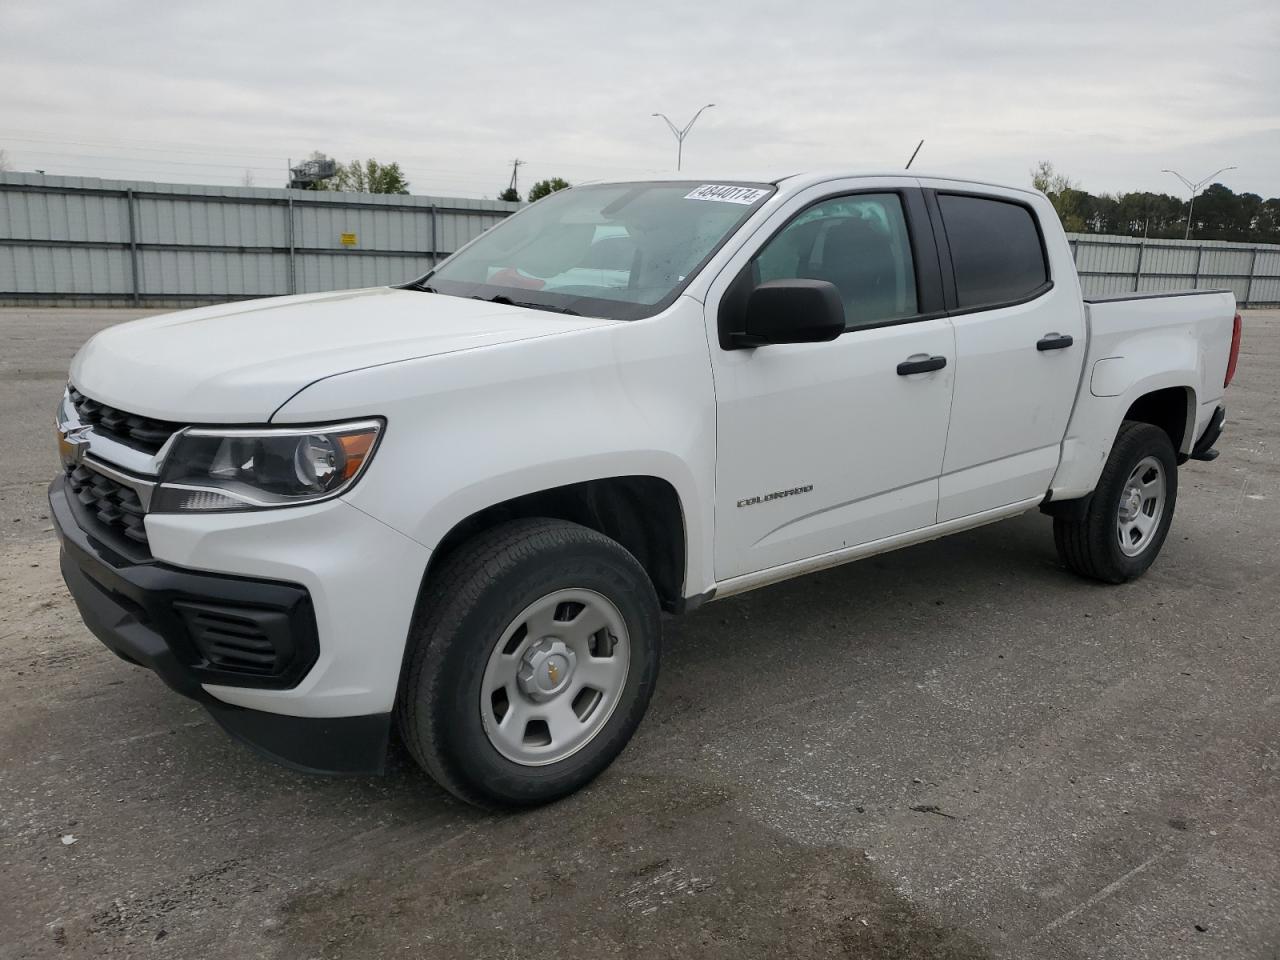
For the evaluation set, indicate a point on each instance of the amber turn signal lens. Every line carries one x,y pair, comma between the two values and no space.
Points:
355,447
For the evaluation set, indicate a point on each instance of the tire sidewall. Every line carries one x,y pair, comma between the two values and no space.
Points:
1144,441
466,639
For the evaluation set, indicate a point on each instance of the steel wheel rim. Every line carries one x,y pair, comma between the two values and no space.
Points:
1142,503
554,677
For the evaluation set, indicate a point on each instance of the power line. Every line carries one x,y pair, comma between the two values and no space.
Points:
138,146
121,162
438,186
125,159
175,163
150,146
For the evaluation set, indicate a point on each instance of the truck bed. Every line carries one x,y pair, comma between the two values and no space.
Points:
1140,343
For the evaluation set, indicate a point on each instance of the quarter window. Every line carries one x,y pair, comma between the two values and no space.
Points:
995,249
860,244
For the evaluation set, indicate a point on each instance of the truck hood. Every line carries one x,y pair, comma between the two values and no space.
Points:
238,362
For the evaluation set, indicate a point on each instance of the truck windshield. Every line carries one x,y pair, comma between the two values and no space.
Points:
619,251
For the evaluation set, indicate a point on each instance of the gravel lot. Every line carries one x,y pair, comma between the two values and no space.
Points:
956,750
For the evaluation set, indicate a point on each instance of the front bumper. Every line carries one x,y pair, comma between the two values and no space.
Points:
158,616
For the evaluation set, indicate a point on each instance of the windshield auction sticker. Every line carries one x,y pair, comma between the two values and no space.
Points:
714,191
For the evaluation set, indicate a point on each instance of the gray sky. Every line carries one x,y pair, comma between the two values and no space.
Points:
1111,92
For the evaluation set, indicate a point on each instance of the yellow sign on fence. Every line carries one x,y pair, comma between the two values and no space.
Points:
350,239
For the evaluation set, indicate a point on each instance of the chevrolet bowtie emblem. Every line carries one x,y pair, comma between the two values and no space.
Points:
553,673
73,445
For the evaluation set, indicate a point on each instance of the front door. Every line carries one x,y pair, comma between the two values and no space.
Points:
824,446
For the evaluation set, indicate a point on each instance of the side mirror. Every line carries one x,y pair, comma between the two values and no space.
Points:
791,311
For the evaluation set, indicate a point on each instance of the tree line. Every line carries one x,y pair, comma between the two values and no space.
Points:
1219,213
537,191
372,176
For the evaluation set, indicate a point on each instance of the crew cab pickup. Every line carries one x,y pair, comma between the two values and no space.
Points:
459,506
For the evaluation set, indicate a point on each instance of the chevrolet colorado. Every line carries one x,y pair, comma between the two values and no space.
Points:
458,506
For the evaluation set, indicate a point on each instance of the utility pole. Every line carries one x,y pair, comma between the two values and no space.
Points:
515,170
1194,188
682,132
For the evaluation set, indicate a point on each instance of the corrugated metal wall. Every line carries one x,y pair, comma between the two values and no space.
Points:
84,240
1134,264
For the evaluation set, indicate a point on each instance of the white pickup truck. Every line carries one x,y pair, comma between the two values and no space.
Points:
458,506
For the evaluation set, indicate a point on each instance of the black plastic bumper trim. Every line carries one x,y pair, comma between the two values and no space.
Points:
128,606
1203,449
116,593
348,746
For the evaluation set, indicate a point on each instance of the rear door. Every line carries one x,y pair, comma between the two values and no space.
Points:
1020,346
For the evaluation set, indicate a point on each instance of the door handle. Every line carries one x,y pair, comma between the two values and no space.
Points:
920,364
1055,341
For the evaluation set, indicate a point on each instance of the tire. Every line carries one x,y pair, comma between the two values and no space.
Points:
1092,541
473,626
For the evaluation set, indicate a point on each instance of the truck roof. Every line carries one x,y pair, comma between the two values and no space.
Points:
804,178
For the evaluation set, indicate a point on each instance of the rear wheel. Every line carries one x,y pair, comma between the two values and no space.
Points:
533,659
1125,524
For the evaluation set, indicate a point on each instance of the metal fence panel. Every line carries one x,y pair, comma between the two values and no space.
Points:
80,239
1107,259
1268,262
1146,284
1109,265
181,220
1266,290
63,217
211,274
1228,263
78,272
1168,260
334,271
1106,285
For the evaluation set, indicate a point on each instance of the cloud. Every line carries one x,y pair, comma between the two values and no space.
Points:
1110,92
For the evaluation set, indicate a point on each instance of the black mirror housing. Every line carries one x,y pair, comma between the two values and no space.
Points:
791,311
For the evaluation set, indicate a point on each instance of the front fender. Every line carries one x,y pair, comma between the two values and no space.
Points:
442,516
478,427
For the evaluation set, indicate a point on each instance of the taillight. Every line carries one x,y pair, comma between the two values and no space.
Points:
1236,330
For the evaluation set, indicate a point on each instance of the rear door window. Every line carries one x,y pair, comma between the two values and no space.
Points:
996,250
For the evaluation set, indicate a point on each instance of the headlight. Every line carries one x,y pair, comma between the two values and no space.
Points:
255,469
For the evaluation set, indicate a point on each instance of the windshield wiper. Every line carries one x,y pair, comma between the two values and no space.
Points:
547,307
504,299
419,285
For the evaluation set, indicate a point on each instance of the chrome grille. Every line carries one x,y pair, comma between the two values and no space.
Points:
142,433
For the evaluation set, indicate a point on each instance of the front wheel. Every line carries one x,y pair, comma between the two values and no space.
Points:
1121,532
533,659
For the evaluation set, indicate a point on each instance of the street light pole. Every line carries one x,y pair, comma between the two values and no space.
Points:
1195,189
682,132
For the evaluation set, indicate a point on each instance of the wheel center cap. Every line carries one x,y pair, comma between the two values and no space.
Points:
1131,505
546,669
